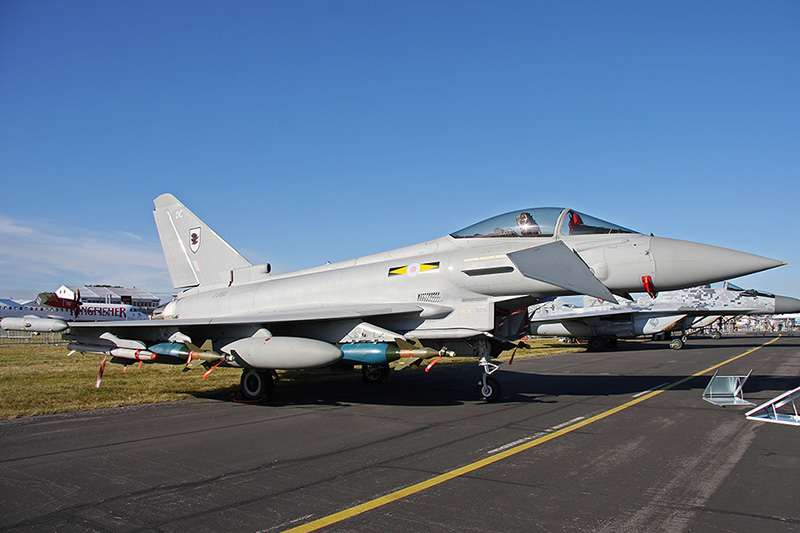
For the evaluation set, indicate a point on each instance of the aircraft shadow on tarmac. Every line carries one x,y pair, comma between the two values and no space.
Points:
695,343
458,385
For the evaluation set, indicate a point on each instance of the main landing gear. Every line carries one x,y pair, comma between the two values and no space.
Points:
374,373
677,343
598,344
256,384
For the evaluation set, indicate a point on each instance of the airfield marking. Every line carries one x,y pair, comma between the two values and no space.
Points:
650,390
452,474
535,435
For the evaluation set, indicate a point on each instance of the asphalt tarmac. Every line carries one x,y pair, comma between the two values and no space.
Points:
615,441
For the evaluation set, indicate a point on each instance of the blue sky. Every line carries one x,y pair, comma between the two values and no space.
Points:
304,132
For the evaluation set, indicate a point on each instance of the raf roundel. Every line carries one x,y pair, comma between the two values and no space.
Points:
413,269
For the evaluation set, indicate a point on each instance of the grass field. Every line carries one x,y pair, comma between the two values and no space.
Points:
41,379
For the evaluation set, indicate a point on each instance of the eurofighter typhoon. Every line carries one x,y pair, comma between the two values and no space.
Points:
465,293
602,323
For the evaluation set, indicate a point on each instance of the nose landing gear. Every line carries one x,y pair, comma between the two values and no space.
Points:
488,387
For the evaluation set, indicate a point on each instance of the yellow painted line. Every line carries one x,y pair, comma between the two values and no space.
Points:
447,476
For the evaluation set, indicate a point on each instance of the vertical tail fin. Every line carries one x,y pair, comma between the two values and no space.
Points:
195,254
592,301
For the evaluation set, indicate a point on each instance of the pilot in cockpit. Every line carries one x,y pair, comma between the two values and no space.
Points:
527,225
575,223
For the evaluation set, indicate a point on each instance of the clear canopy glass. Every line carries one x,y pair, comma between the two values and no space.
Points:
539,222
576,223
749,292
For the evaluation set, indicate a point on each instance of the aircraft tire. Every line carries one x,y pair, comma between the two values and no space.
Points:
716,335
611,343
255,384
374,373
491,391
596,344
676,344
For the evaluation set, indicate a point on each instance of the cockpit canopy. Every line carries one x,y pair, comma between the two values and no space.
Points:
749,292
540,222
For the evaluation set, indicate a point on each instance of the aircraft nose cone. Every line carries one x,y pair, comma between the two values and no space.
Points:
680,264
786,305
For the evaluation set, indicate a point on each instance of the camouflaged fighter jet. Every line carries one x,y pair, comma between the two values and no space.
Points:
602,323
466,293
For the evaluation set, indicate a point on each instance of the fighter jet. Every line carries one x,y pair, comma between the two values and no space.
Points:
52,313
601,323
467,293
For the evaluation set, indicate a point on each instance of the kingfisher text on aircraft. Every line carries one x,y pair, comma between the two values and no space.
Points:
49,313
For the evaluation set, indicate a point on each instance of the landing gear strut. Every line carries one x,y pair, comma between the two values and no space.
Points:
256,384
488,388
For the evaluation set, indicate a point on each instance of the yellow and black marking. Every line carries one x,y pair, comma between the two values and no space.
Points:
413,269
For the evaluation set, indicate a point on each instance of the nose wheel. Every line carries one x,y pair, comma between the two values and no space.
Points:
488,387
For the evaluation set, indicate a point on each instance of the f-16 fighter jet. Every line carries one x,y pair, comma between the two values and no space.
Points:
602,323
466,293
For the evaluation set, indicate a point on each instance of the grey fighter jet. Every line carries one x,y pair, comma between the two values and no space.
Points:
601,323
466,293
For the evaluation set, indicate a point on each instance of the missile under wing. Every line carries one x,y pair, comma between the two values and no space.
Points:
467,293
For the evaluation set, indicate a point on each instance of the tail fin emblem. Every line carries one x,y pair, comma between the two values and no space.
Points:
194,239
